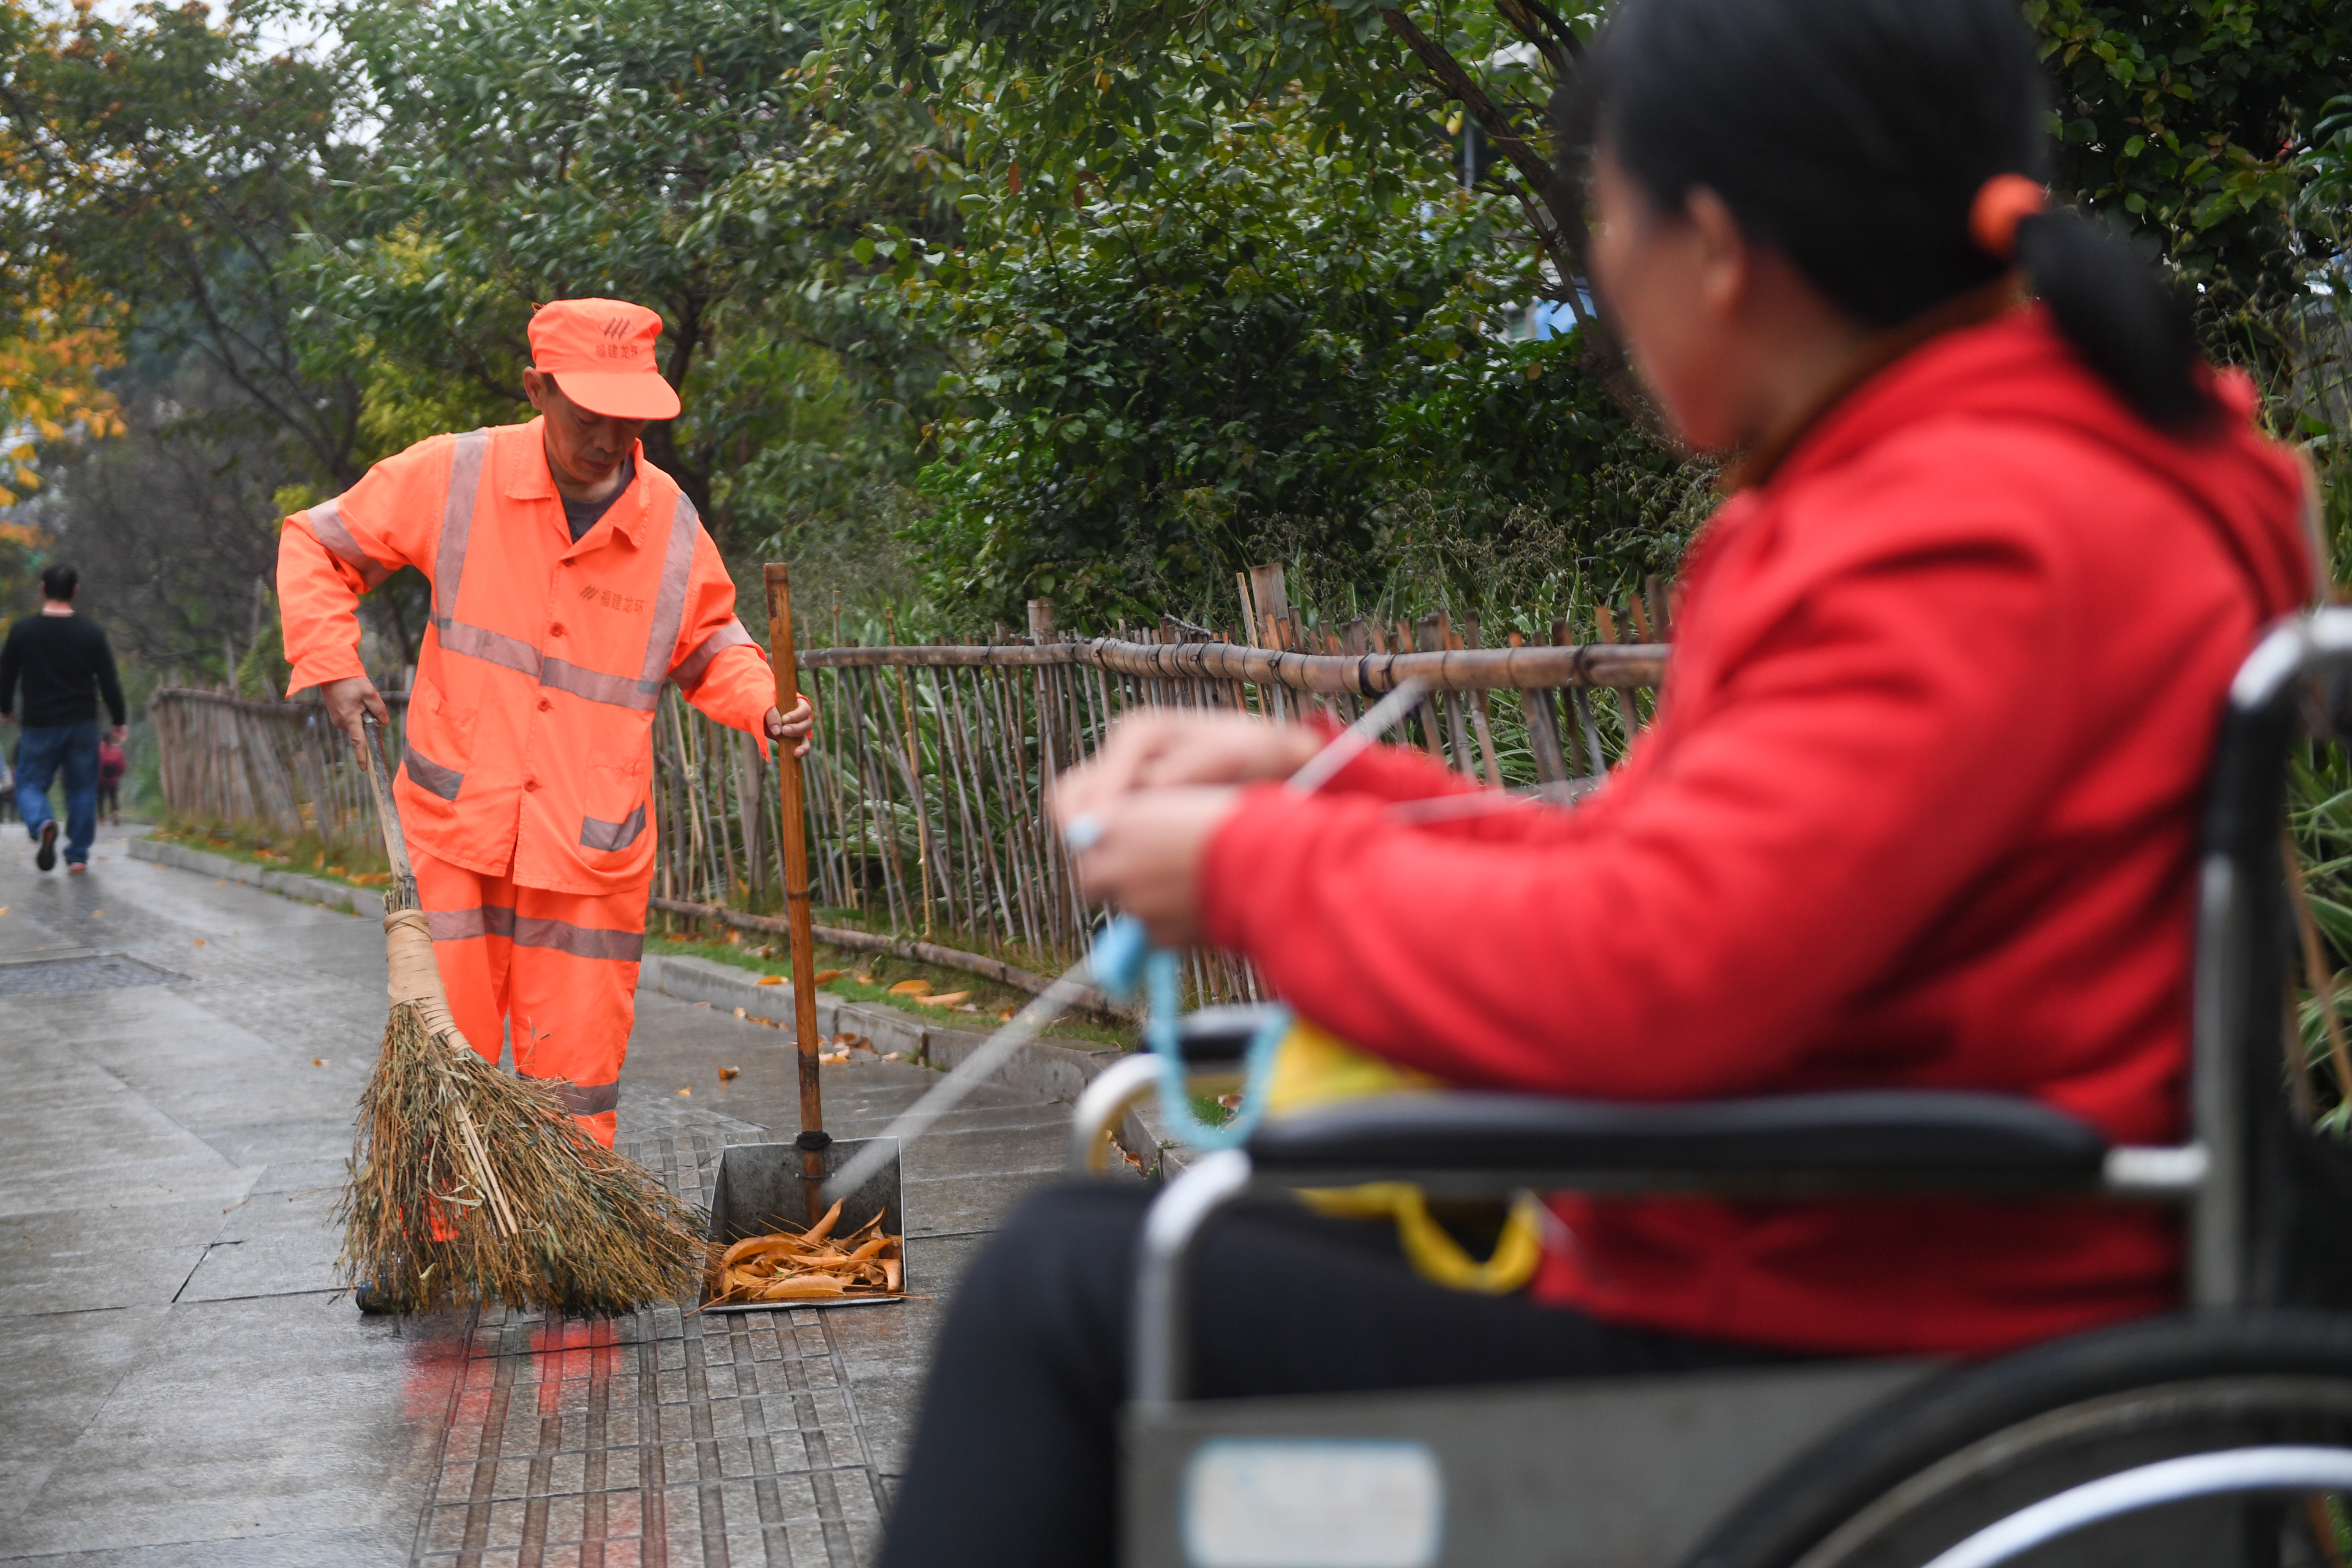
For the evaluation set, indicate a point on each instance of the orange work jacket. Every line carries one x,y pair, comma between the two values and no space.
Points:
529,747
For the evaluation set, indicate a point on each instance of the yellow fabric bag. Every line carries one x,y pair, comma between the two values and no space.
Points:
1312,1068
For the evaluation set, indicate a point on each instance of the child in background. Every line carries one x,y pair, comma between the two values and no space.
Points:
111,765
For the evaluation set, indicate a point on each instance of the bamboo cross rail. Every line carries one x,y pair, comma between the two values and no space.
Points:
1624,665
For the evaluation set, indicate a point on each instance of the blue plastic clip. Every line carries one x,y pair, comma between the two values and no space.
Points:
1123,962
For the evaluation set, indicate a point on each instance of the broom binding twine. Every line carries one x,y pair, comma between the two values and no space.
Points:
415,975
415,982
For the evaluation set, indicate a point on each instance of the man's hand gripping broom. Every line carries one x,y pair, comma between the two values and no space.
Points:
470,1183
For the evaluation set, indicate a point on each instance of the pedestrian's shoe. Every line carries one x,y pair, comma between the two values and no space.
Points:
47,858
75,867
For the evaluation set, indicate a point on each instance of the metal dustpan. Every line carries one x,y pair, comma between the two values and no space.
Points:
764,1188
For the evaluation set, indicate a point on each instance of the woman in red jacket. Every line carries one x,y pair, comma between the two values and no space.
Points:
1919,808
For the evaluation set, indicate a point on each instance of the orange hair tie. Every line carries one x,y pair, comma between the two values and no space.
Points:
2002,203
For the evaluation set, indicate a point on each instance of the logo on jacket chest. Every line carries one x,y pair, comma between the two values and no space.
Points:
612,601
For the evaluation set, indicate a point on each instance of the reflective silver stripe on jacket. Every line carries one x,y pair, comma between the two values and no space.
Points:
429,775
327,524
462,925
669,599
579,942
589,1099
496,647
467,455
696,665
642,692
619,690
597,834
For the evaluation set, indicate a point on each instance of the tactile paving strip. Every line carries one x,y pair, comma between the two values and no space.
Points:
657,1440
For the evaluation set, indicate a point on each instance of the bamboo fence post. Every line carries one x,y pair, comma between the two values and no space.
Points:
1543,726
746,770
915,780
885,815
1608,625
1481,719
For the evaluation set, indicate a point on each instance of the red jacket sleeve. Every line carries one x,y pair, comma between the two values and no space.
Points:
1687,933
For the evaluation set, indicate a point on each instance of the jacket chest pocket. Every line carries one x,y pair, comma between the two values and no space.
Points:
618,809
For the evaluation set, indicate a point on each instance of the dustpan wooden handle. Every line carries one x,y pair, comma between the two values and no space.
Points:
785,662
402,894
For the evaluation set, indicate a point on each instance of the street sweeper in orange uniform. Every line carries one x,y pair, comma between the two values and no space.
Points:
572,579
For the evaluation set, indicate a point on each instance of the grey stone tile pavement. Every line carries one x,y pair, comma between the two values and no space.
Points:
183,1383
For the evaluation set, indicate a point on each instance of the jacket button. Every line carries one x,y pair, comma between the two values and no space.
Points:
556,630
530,784
545,706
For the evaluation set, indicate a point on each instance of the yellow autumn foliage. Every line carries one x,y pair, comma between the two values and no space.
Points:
51,359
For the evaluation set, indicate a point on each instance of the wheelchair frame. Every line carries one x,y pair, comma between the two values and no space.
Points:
1660,1449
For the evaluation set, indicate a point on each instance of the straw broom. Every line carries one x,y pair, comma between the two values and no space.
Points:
470,1183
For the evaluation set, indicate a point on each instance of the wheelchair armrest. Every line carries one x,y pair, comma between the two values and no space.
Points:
1873,1141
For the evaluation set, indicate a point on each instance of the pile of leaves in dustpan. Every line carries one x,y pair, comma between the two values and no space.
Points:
809,1265
471,1184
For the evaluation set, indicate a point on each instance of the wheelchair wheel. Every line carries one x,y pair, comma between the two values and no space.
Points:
2232,1395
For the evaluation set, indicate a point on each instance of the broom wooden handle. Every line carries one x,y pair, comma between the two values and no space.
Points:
786,664
402,894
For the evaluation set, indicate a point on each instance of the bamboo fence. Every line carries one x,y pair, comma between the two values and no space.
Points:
238,761
927,780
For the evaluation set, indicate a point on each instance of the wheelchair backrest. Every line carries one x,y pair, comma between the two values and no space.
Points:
2272,1223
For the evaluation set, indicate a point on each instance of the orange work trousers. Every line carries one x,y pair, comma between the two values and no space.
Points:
560,968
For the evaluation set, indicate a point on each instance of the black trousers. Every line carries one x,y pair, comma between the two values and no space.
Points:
1015,1455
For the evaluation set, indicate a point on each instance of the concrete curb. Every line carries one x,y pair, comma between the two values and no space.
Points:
291,884
1055,1068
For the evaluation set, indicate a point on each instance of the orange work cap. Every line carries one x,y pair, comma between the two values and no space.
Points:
601,353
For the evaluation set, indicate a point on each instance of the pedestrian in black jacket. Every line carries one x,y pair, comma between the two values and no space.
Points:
66,666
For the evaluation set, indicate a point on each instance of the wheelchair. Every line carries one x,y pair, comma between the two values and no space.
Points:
2218,1436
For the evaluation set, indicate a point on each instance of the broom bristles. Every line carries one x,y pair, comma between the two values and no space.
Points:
580,1229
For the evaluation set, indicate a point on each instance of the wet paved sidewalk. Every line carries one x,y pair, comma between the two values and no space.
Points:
183,1384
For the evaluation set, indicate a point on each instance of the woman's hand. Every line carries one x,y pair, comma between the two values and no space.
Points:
1146,853
1161,749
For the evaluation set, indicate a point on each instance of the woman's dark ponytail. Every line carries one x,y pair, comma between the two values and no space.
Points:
1859,137
2118,312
